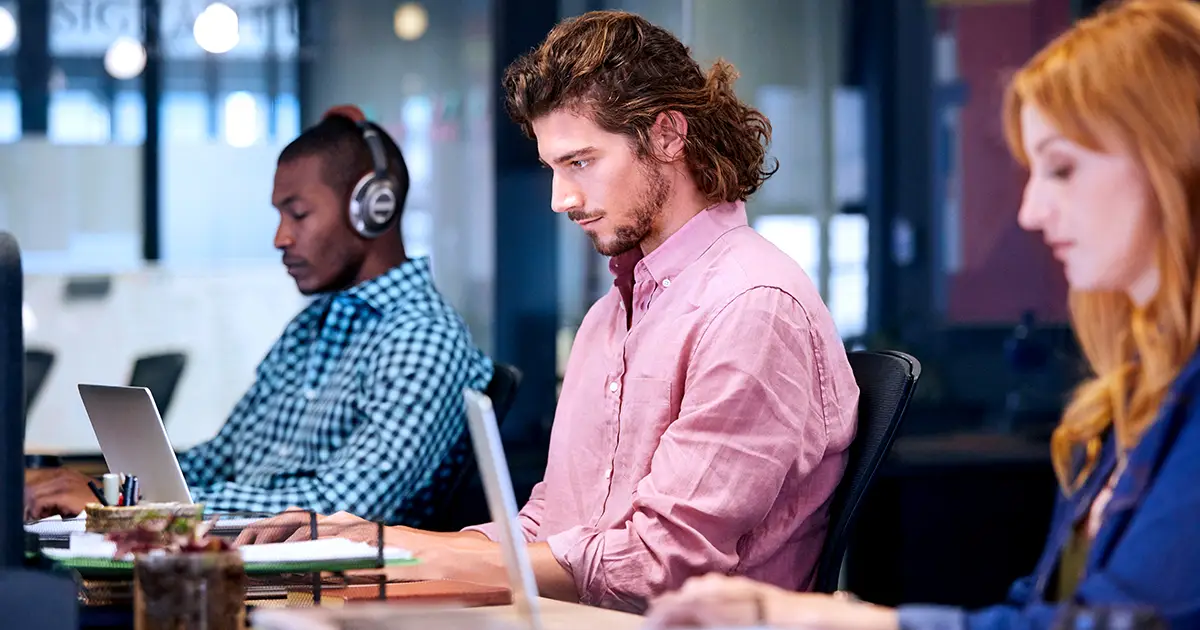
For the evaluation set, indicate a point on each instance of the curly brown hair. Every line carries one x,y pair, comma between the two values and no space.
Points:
622,71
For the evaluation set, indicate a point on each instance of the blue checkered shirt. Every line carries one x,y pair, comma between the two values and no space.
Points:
357,407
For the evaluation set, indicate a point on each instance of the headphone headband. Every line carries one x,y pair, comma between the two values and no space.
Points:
372,136
375,200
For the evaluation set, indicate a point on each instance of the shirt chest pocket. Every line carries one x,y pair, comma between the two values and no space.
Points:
648,407
645,392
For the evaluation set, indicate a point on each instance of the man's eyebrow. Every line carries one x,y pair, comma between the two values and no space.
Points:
571,156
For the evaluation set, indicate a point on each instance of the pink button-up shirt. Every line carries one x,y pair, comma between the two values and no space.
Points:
703,421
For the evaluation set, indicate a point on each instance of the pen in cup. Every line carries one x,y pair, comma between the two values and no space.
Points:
128,490
96,491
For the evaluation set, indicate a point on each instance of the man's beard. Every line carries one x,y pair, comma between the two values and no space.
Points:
648,205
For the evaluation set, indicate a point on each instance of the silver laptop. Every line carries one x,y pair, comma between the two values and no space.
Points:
502,504
131,436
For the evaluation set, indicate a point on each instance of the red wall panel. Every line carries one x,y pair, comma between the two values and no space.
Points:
1004,270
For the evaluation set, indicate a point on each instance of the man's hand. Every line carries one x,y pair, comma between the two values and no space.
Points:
472,557
56,491
466,556
294,524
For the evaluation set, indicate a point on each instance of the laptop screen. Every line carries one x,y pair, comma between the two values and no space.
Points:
497,484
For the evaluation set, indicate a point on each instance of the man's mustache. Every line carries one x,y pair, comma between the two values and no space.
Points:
580,215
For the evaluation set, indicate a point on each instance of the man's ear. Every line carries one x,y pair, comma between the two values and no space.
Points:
667,136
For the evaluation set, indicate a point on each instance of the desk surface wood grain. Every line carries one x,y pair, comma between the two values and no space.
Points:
555,615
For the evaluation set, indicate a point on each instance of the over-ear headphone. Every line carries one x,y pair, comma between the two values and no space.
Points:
374,200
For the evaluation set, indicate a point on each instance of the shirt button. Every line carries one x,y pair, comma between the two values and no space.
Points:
608,474
666,282
613,387
310,394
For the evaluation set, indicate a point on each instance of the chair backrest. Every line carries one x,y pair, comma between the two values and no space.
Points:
160,373
37,369
502,389
506,380
886,382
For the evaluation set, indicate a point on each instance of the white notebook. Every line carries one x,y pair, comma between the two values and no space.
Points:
58,526
84,545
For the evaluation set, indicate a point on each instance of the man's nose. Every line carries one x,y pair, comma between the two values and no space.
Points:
565,196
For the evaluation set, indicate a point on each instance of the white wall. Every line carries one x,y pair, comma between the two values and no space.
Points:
72,206
216,203
224,320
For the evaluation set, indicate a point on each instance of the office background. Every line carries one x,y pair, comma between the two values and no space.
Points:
138,141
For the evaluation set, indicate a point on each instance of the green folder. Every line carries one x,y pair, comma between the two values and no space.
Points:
102,568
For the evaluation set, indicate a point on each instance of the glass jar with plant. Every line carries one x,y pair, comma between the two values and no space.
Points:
184,579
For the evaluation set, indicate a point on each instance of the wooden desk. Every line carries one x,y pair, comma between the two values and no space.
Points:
556,615
564,616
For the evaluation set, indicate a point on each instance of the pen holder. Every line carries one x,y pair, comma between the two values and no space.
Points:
189,591
107,519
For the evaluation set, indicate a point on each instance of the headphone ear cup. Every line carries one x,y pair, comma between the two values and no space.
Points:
357,212
373,206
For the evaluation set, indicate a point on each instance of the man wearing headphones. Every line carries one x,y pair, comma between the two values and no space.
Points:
358,406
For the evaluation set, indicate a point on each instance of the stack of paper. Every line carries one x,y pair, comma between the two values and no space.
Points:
57,526
318,551
95,546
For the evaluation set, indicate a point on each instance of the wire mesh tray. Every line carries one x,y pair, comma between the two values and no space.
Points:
317,548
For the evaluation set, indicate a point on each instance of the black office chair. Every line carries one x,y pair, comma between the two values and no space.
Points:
37,370
160,373
886,382
502,390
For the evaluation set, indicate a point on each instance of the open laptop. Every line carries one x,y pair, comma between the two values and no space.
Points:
502,504
132,437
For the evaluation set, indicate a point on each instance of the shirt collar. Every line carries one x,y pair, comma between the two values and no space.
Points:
398,285
684,246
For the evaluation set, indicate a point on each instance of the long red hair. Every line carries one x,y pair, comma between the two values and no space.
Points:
1127,78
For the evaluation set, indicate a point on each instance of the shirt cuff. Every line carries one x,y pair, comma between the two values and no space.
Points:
487,529
571,549
931,618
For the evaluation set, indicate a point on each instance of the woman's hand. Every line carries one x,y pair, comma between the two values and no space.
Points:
718,600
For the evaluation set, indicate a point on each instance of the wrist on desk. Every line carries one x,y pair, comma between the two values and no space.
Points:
452,555
477,559
784,608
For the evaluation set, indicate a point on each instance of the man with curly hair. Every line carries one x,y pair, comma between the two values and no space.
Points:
708,402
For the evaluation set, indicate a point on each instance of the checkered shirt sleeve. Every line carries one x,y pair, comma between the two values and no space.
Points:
355,409
212,462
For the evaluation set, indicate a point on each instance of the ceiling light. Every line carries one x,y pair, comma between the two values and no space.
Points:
410,21
125,58
216,28
8,29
